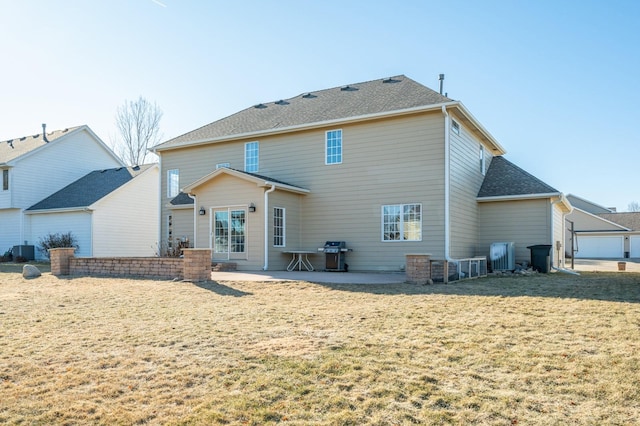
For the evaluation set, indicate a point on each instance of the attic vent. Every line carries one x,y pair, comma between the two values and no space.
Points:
309,96
348,89
10,142
391,80
260,106
281,102
23,138
35,136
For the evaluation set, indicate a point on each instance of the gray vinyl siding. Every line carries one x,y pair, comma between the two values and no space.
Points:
526,222
466,180
392,161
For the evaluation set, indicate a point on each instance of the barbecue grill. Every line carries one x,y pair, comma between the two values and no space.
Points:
334,256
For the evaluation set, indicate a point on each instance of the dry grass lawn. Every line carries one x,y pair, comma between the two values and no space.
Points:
554,349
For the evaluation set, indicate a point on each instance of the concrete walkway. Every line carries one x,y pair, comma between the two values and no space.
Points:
314,277
581,265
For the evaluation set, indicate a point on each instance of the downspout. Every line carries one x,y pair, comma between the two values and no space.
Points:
447,187
266,227
553,203
195,220
160,218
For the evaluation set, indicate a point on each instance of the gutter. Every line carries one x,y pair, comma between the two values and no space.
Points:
447,187
266,226
195,220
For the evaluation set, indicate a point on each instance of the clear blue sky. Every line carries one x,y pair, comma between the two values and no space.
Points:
556,82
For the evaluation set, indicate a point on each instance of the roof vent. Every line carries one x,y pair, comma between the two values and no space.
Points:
10,142
391,80
23,138
309,96
348,89
44,132
282,102
260,106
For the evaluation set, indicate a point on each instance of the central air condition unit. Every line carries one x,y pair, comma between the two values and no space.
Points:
503,256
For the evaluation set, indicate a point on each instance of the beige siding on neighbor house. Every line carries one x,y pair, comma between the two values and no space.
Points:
390,161
466,180
125,222
525,222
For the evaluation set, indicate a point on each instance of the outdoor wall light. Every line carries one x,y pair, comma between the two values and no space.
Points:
202,211
252,208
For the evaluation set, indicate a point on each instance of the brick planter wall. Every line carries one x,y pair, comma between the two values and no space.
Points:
195,266
60,260
418,268
147,267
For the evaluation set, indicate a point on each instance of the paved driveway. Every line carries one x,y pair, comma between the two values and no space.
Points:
604,265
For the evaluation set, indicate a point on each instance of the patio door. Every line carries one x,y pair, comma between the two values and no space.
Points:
229,234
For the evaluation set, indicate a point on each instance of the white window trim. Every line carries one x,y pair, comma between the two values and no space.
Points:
284,226
455,127
326,147
257,156
402,240
169,194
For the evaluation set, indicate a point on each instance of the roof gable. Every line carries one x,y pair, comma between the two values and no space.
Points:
13,149
89,188
586,205
505,179
354,100
259,180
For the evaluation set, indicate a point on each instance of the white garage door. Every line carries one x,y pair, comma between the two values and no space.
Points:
634,242
594,247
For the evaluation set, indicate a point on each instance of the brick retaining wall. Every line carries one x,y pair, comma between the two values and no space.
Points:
194,266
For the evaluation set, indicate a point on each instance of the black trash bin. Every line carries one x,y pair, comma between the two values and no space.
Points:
541,257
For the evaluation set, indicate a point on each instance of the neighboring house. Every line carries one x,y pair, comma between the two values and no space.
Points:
111,212
34,167
601,232
389,166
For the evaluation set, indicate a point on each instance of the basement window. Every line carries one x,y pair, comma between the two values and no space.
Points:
455,127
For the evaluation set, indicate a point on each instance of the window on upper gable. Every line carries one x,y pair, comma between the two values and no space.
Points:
333,147
402,222
455,127
5,180
173,183
483,165
251,154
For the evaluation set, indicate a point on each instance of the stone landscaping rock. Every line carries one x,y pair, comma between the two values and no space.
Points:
30,271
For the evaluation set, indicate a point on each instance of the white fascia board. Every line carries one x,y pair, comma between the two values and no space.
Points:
518,197
499,148
307,126
65,210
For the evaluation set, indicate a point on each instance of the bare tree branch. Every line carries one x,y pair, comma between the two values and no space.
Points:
138,124
634,206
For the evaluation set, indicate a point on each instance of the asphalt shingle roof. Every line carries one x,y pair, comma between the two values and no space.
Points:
14,148
181,199
504,178
89,188
629,220
371,97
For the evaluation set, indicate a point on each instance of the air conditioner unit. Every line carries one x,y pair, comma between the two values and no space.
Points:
503,256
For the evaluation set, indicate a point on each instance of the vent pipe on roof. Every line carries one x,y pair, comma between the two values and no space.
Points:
44,132
441,82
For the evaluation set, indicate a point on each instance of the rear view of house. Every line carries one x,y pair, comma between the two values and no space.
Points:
388,166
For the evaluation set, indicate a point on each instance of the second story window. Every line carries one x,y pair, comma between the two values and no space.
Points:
173,183
333,147
5,180
483,169
251,153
